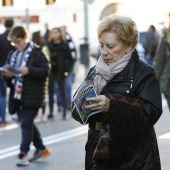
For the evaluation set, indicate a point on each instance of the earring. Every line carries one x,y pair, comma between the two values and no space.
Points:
126,52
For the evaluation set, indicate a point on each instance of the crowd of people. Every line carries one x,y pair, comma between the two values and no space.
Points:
60,50
38,69
32,67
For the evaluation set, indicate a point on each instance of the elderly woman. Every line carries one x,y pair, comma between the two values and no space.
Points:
122,136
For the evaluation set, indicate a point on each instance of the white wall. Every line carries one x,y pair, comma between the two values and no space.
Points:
144,13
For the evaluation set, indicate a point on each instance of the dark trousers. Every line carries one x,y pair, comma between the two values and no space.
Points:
62,88
69,82
29,132
2,100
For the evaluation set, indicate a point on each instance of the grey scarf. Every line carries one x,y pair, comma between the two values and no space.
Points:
105,73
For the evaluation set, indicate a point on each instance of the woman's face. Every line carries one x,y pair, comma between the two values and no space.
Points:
56,34
111,50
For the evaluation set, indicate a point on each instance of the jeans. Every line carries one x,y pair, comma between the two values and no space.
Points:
3,108
62,88
3,102
58,94
69,81
29,131
149,61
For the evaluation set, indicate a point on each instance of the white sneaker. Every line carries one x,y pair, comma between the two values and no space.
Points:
22,160
44,118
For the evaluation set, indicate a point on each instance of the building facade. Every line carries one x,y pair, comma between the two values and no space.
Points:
71,14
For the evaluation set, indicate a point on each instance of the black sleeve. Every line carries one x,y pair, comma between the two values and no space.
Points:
41,67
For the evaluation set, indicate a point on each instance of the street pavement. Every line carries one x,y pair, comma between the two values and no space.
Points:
66,139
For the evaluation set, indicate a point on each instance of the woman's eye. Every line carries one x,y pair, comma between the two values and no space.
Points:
110,47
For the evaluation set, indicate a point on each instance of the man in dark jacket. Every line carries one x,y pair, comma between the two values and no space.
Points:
5,45
151,44
5,48
28,84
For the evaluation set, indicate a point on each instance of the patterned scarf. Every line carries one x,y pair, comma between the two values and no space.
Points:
105,73
19,59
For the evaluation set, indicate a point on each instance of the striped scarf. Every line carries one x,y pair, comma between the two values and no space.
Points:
19,59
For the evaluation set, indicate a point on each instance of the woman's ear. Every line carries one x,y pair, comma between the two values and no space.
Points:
129,47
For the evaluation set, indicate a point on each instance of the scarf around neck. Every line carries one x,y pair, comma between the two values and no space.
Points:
104,72
19,59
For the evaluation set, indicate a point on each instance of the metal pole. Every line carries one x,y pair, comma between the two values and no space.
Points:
27,15
86,38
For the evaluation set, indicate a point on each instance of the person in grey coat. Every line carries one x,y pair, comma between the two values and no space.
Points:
162,64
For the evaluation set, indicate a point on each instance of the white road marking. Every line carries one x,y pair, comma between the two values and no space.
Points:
165,136
14,150
164,103
9,127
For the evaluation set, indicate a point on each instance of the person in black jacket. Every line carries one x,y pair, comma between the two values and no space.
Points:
5,48
40,41
61,62
28,84
122,136
152,40
71,76
5,44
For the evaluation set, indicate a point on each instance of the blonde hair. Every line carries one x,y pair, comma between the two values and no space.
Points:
124,28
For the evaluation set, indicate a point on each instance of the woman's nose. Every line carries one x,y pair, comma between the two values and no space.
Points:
104,51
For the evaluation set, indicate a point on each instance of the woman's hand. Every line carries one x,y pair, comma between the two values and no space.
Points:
101,102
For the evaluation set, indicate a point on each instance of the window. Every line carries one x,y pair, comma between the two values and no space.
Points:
7,3
50,2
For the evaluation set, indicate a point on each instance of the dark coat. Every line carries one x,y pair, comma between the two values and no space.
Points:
35,84
151,43
135,106
2,87
61,59
5,47
161,65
